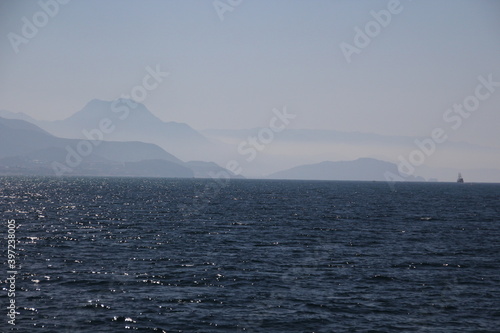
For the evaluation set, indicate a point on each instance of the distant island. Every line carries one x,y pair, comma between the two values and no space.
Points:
367,169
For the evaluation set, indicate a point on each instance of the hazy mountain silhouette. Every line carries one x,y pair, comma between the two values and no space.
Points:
17,115
293,147
367,169
129,121
27,149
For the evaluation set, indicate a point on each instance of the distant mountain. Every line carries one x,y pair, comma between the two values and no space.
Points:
17,115
26,149
293,147
19,137
367,169
17,124
128,121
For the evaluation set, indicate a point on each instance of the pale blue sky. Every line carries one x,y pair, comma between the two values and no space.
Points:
265,54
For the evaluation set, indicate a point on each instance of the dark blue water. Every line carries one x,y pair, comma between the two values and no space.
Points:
165,255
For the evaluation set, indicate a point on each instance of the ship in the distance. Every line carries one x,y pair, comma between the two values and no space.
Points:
460,179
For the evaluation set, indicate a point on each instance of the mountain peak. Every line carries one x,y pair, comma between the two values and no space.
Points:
120,108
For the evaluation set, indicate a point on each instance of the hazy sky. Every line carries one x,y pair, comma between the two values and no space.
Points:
265,54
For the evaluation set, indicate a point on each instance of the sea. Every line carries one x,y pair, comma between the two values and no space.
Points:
205,255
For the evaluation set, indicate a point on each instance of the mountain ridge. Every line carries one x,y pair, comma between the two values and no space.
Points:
128,121
363,169
26,149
